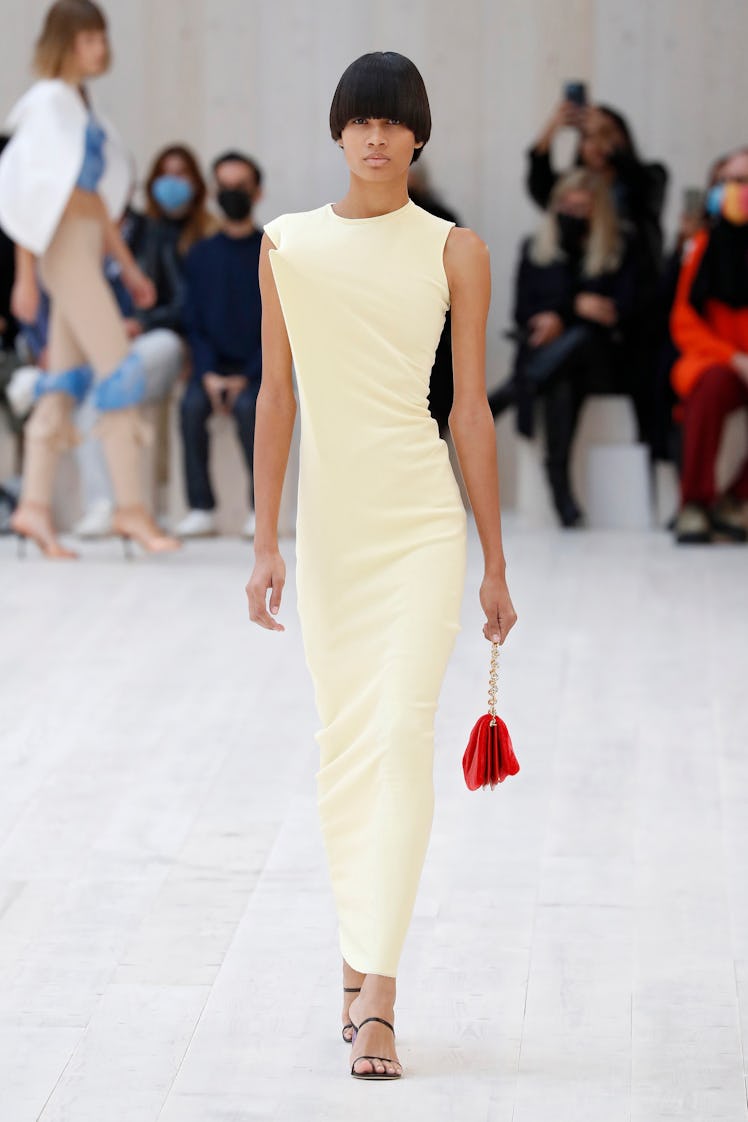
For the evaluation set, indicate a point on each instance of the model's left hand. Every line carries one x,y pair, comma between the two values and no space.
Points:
497,604
141,288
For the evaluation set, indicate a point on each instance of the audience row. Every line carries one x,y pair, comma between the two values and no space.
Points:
598,308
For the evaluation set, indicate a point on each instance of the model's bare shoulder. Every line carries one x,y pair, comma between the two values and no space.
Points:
465,255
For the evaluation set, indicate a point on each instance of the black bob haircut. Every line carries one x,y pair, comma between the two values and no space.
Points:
232,154
382,84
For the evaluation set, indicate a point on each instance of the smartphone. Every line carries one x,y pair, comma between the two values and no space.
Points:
693,201
576,93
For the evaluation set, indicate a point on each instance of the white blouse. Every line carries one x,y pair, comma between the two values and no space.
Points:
41,164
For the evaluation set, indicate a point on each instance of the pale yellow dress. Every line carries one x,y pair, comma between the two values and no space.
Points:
380,546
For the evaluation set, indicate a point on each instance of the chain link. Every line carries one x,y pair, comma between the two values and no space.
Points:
493,681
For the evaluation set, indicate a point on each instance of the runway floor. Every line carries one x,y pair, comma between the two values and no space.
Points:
167,940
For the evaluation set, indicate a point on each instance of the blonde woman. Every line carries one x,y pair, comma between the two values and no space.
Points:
64,181
575,292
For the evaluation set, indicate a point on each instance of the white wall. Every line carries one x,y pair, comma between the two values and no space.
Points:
260,74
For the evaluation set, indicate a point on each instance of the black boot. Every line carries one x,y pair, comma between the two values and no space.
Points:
568,511
561,409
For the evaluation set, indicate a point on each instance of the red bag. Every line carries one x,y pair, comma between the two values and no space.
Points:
489,756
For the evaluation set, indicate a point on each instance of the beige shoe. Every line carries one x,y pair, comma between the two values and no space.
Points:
727,520
692,526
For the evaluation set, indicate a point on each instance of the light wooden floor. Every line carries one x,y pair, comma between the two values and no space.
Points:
167,943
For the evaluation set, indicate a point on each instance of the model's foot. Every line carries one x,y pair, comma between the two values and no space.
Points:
134,522
373,1038
34,521
352,980
197,524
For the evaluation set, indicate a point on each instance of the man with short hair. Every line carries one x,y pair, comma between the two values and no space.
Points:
222,321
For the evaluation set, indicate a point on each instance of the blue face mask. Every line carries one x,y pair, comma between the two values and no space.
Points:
714,198
172,192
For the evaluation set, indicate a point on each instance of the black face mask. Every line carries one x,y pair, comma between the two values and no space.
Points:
572,232
235,203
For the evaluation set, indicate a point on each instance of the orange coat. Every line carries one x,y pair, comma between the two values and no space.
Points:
707,340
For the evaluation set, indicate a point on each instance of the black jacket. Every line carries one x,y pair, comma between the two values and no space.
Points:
554,288
154,245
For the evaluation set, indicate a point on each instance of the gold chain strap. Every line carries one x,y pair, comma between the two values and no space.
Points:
493,682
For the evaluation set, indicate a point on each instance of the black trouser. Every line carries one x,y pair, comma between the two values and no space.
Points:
195,409
590,366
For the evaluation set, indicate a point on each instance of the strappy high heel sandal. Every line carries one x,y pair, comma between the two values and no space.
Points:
134,524
382,1059
44,539
349,1024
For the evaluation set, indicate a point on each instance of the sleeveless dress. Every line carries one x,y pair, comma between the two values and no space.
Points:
380,546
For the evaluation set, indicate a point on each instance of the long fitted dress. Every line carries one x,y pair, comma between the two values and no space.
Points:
380,546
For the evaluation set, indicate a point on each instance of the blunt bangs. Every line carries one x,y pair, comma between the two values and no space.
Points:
382,84
62,23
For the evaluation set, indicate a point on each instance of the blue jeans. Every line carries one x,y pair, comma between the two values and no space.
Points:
195,409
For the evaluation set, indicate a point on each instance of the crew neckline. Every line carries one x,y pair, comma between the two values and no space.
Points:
373,217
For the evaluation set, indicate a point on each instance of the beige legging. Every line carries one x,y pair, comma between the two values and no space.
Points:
85,327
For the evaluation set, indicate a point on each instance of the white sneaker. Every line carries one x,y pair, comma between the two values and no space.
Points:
20,390
197,524
248,530
96,522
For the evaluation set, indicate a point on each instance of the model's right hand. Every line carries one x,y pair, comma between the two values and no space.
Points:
24,299
268,575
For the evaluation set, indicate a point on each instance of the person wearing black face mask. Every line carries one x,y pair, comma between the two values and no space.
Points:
222,320
574,293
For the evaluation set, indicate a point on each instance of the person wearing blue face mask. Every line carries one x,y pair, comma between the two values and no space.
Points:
173,193
176,218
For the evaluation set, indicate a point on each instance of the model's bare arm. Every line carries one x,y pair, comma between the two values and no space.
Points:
276,412
24,300
468,272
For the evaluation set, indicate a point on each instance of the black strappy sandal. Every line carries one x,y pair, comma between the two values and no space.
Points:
349,1024
382,1059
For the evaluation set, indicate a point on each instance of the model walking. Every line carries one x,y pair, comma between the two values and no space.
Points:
64,181
357,292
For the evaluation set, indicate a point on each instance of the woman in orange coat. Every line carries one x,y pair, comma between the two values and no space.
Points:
709,325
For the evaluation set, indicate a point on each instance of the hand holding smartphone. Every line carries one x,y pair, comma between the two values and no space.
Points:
576,93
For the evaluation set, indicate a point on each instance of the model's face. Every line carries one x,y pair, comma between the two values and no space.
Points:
377,149
90,53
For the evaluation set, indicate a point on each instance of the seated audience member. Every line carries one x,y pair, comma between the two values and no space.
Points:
606,146
8,326
222,321
441,383
693,217
176,218
709,325
574,293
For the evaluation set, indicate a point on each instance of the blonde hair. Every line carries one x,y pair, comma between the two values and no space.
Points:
61,25
604,248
